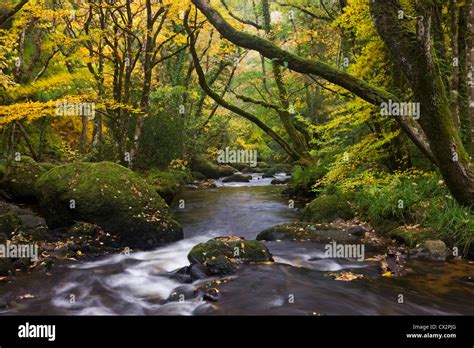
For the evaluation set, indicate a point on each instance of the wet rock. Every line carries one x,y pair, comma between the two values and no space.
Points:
238,178
197,271
432,250
110,196
220,265
182,275
221,255
268,175
393,264
28,218
226,170
211,294
182,293
357,230
280,181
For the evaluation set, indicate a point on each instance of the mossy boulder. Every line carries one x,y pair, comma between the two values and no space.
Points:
110,196
328,208
300,231
433,250
284,181
221,255
226,170
21,176
238,178
205,167
409,235
10,222
198,176
167,183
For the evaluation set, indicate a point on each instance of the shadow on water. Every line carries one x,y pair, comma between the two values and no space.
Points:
298,283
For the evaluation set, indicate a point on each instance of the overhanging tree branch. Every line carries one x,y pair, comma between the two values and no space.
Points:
362,89
227,105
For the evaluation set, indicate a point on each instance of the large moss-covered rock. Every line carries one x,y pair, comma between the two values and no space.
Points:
328,208
226,170
221,255
110,196
21,176
205,167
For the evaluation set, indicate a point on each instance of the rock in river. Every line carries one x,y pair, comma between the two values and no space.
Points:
222,255
111,196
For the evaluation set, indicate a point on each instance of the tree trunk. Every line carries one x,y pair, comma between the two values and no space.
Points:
285,115
470,72
454,83
463,89
413,53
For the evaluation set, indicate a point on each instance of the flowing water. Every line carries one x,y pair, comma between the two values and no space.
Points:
297,283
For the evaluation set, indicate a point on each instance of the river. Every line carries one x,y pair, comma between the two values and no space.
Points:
298,283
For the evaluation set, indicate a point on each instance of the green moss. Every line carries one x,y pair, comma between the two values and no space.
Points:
409,235
328,208
110,196
21,178
10,222
46,165
226,170
167,183
205,167
198,176
230,247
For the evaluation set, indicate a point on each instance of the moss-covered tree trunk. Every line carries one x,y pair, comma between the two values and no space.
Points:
463,89
470,72
297,139
410,43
